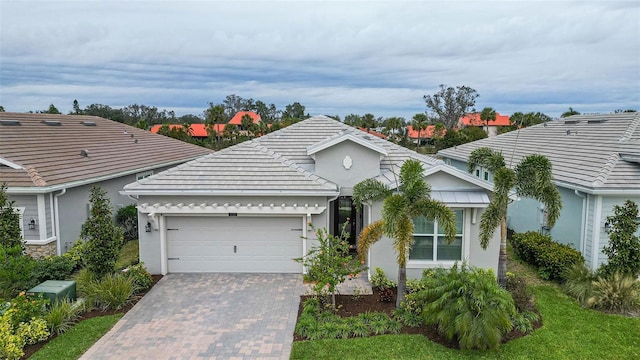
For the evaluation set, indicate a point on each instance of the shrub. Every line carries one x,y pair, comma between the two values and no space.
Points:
579,282
379,279
34,331
617,293
76,254
104,239
551,258
112,292
330,263
61,316
140,277
53,268
623,249
11,344
127,219
386,294
16,272
467,304
520,292
10,234
523,321
85,279
23,308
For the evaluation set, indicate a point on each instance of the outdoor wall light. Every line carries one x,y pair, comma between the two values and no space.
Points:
147,227
32,224
607,227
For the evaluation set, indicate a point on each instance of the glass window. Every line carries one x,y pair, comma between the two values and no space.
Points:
429,241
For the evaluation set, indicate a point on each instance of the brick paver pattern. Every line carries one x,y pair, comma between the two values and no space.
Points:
208,316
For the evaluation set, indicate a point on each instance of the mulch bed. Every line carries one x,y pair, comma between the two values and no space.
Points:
350,305
31,349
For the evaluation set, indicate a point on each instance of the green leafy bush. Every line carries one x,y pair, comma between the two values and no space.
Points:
520,292
579,283
16,272
76,254
467,304
34,331
623,249
104,239
379,279
127,219
10,234
11,344
23,308
112,292
61,316
523,321
140,277
551,258
85,279
21,323
618,292
53,268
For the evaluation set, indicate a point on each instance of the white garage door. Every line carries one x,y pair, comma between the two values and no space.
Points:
234,244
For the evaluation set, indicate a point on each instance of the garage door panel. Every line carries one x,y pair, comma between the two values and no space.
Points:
206,244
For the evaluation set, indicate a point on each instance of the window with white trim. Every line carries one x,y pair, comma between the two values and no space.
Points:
430,243
142,175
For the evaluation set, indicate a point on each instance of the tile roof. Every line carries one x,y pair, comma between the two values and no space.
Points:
424,134
593,152
237,118
275,163
474,120
52,150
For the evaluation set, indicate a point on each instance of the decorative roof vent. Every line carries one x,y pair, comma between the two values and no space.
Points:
88,123
10,122
571,122
84,153
597,121
51,122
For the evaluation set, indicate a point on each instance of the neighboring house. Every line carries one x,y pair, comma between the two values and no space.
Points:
49,163
250,207
596,165
491,128
374,133
422,137
237,118
198,131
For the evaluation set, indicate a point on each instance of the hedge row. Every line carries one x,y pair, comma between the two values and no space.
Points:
551,258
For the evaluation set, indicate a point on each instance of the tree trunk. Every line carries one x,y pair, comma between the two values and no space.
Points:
502,258
402,285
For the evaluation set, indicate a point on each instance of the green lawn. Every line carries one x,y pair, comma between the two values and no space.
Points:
73,343
568,332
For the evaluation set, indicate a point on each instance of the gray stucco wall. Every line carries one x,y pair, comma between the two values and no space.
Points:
608,202
365,164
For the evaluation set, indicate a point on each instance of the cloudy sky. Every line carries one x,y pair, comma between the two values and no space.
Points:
333,57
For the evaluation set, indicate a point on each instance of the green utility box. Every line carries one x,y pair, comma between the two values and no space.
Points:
55,290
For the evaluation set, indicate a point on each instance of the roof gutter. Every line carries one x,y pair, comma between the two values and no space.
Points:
48,189
321,193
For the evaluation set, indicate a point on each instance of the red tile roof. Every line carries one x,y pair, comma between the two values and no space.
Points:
374,133
197,130
424,134
474,120
237,119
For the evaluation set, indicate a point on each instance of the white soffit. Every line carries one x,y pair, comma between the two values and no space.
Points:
330,142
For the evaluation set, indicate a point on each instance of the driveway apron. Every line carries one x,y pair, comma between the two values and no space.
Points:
208,316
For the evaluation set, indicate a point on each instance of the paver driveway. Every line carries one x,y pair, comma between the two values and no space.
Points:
196,316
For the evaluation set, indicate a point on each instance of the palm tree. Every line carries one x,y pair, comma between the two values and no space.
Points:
487,114
419,123
399,208
531,178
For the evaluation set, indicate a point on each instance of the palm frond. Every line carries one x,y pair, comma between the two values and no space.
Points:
369,190
534,179
489,221
368,236
485,157
412,181
394,209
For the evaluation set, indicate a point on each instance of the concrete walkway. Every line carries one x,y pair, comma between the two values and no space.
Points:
208,316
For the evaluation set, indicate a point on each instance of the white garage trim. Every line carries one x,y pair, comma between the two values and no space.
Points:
215,208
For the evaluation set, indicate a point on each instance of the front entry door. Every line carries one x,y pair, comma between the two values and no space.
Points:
344,212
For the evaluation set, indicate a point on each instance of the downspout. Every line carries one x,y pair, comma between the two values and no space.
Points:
583,220
57,220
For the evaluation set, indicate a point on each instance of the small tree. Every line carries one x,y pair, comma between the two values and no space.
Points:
104,238
623,250
10,234
329,264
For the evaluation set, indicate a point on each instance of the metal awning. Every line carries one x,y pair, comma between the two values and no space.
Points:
478,199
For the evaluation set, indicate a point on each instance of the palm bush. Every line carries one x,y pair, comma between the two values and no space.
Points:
618,293
112,292
579,283
62,316
467,304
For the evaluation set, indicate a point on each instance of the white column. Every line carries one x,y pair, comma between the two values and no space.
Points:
42,217
163,246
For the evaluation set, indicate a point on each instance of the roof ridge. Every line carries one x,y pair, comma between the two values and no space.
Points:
293,165
635,123
35,176
605,170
